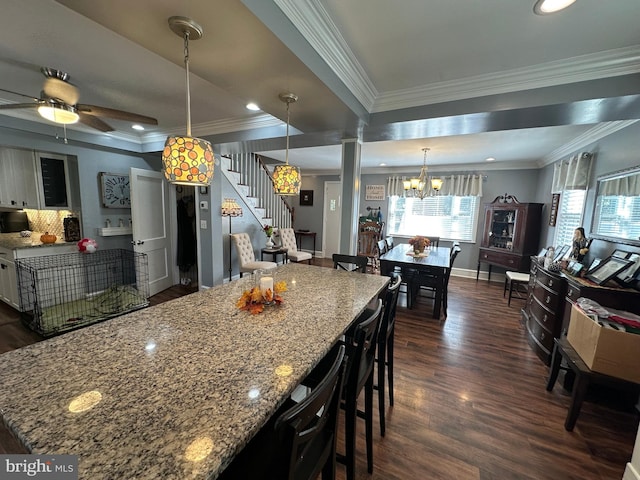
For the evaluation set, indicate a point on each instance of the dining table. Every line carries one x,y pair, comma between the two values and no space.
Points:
434,261
176,390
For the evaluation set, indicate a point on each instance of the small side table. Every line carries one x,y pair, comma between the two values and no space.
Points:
300,234
584,376
274,252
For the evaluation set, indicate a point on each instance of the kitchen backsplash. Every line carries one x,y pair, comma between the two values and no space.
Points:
48,221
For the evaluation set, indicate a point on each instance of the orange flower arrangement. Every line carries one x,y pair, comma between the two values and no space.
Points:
419,243
253,301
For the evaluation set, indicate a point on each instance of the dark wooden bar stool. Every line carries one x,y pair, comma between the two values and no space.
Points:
584,377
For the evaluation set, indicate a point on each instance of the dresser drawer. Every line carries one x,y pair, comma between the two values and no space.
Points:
507,260
573,292
542,336
549,280
548,298
544,316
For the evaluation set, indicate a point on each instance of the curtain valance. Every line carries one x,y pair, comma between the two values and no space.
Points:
628,186
572,174
458,185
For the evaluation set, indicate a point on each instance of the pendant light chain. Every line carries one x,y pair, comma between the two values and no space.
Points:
186,67
287,151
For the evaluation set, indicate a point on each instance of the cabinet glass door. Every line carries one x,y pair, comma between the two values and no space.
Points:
501,231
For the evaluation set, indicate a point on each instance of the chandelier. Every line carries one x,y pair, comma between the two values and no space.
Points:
187,160
420,186
286,178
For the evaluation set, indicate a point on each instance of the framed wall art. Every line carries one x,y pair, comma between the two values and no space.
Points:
374,192
306,197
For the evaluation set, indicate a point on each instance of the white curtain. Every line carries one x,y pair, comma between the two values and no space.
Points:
458,185
628,186
572,174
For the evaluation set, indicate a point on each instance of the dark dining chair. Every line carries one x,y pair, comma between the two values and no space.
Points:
435,241
350,263
301,442
361,354
384,355
382,247
445,293
389,242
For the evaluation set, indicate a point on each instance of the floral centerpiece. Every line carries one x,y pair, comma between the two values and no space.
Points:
254,300
419,243
268,231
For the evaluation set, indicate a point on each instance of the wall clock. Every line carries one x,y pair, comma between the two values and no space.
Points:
115,190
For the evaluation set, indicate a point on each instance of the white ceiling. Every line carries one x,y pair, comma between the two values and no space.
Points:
469,80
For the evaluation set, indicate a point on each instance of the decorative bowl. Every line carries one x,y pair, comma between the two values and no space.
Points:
555,267
25,233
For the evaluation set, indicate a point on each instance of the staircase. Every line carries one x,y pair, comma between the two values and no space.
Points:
251,179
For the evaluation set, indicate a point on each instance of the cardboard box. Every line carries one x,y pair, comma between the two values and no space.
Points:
604,350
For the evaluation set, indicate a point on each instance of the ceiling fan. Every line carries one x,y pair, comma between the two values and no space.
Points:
58,102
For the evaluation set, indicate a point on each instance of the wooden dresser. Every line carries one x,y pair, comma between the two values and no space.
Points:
544,311
550,298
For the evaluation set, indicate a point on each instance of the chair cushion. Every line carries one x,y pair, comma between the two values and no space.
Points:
299,256
517,277
251,266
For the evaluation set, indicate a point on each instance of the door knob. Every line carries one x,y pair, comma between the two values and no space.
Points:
140,242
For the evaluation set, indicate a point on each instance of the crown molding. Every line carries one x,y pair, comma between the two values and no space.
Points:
595,66
587,138
316,26
217,127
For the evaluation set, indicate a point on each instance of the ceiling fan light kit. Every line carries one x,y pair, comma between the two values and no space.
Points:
286,178
187,160
59,113
58,103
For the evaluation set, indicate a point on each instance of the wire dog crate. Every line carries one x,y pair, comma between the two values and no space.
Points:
64,292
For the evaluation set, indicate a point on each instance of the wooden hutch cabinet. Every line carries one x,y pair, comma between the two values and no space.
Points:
510,235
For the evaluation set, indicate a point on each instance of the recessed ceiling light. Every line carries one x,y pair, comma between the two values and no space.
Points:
383,164
137,127
489,159
544,7
253,107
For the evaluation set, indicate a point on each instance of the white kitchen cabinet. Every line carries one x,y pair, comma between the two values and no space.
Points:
18,185
9,282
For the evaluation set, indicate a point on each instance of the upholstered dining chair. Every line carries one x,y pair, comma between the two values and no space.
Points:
246,255
350,263
288,241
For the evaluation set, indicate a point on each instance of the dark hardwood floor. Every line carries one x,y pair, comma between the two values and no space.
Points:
470,399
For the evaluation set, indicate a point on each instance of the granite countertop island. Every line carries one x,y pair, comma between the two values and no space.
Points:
176,390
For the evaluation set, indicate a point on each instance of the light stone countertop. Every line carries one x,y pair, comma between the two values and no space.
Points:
191,375
12,241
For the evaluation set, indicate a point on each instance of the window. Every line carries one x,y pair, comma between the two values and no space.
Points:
569,215
618,216
446,216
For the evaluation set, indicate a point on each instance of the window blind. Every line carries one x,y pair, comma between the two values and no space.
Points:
569,215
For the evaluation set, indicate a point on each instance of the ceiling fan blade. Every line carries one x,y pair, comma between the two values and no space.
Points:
115,114
94,122
14,106
20,94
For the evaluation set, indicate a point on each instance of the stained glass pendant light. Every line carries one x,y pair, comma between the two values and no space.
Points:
187,160
286,178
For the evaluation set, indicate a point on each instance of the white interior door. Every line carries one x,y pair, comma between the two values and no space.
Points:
332,215
150,215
